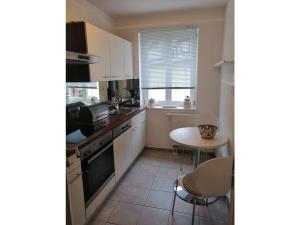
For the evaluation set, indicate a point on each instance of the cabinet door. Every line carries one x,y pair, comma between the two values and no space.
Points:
75,196
98,44
128,60
139,135
116,58
122,153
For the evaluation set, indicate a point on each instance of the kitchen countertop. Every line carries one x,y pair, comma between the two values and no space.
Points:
110,123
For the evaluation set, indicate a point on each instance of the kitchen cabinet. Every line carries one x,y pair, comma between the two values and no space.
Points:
117,58
98,42
122,153
128,70
115,53
139,133
129,144
75,198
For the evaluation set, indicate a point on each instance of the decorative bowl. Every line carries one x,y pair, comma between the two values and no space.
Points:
207,131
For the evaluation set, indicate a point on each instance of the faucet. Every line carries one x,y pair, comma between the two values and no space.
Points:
116,100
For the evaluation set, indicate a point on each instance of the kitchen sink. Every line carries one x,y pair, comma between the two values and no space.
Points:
123,110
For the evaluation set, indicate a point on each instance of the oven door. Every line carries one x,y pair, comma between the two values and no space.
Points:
97,171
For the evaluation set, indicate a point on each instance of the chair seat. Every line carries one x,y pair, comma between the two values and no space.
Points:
187,182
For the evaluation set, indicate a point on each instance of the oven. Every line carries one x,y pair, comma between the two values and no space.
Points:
97,163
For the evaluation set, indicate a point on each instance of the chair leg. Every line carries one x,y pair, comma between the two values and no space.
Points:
194,204
182,156
174,198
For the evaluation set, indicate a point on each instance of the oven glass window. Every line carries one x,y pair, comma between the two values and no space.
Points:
98,169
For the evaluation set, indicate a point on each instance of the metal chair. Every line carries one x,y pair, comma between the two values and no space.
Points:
211,178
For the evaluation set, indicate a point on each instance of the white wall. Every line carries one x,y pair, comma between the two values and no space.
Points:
226,112
211,28
82,10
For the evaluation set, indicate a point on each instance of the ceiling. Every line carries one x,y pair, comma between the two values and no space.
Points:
119,8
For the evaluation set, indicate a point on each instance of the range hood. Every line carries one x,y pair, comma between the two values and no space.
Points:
81,58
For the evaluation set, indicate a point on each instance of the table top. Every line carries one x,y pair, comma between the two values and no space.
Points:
191,137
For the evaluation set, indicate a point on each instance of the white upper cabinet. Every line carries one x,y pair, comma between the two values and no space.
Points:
128,59
98,44
115,55
117,58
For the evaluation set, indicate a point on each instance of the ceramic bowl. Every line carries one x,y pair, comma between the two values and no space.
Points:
207,131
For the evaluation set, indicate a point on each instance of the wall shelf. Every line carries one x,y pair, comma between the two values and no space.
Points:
222,62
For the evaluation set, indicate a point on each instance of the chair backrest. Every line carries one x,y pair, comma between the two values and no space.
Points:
211,178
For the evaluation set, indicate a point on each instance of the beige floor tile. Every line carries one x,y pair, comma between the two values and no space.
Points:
125,214
159,199
153,216
203,211
163,184
167,173
185,207
127,179
142,180
135,195
105,211
148,161
219,210
145,169
174,164
170,156
182,219
117,193
208,221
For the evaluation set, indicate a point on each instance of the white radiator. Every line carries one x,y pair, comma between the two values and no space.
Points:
177,120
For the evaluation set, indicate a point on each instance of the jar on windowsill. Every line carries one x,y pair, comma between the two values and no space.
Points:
151,102
187,104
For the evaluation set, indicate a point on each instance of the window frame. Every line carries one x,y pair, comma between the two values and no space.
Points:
168,91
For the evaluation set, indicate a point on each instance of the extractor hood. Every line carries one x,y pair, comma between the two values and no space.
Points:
81,58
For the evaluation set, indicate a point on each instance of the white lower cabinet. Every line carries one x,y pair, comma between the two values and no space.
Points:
139,132
75,197
122,153
129,144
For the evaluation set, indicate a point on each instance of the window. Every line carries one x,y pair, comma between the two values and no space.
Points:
168,65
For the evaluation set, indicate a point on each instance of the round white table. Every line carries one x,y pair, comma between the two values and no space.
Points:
190,137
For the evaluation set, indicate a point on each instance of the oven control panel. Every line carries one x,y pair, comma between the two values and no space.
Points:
97,144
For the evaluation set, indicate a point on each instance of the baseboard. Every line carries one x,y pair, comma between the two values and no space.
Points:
158,149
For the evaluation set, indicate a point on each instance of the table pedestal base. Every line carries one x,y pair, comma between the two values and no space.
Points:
197,156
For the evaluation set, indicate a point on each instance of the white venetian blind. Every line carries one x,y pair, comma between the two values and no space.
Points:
168,59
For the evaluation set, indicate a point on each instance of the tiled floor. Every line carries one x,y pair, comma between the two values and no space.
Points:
144,196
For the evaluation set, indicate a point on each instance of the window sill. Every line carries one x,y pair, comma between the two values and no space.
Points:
170,108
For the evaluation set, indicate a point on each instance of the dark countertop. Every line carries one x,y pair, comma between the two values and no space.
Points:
110,123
